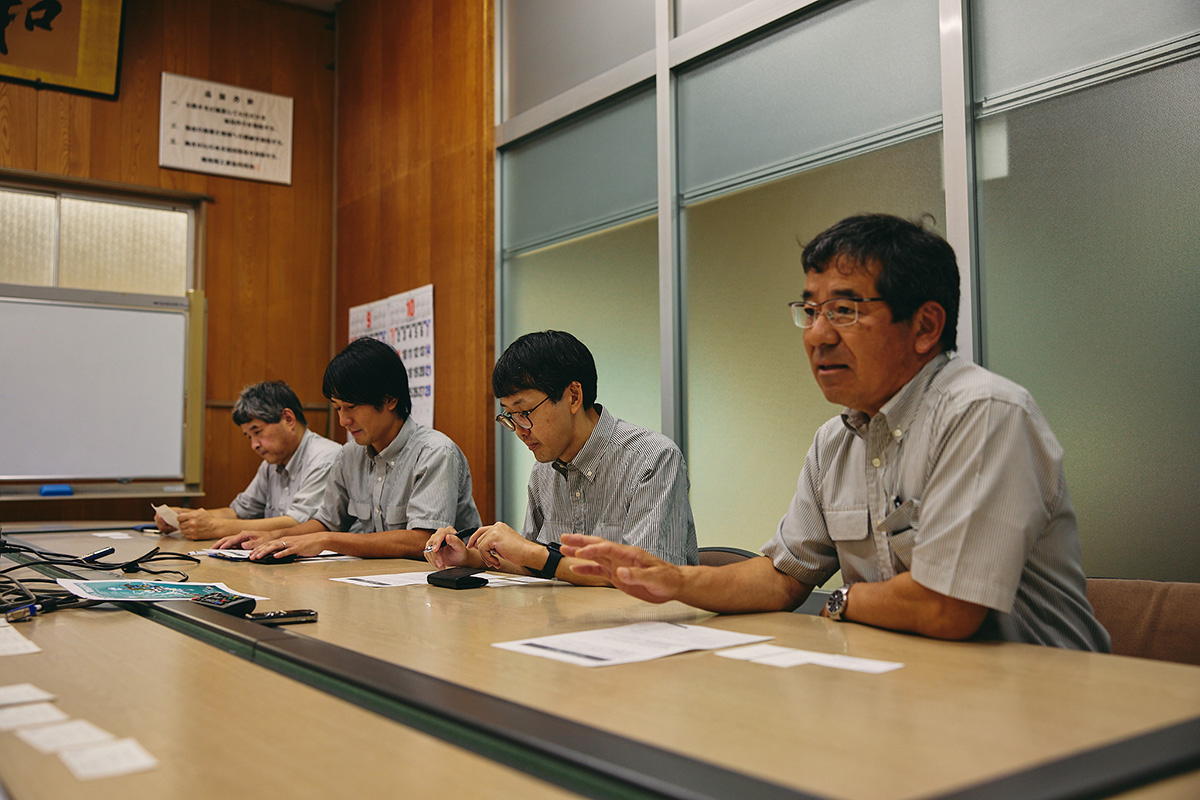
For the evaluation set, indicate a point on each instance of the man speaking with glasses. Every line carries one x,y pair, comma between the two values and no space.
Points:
595,474
939,491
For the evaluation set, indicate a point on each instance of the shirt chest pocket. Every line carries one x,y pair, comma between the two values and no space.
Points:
901,529
359,509
396,518
848,528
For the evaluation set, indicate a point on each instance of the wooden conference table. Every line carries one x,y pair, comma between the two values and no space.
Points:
220,726
969,720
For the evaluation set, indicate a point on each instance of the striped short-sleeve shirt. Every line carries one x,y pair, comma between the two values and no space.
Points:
420,481
959,479
627,484
293,489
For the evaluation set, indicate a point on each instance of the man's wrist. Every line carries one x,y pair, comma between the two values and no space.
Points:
838,603
549,567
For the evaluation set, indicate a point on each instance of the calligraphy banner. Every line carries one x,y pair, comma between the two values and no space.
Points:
66,44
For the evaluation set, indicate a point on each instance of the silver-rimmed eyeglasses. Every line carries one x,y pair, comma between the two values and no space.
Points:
518,419
840,311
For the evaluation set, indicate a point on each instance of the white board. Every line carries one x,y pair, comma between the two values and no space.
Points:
90,391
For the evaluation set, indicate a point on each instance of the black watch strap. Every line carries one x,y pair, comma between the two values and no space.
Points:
551,565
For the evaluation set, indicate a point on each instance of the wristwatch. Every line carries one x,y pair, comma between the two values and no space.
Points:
549,569
838,600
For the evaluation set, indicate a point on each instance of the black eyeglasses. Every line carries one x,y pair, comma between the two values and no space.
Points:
840,311
514,419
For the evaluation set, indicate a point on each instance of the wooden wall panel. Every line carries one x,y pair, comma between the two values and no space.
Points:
415,196
268,269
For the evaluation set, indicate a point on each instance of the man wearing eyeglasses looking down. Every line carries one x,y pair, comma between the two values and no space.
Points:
595,473
939,491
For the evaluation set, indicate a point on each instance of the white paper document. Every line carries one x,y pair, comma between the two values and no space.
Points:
12,643
113,535
788,657
641,641
168,515
107,759
422,579
61,735
14,717
18,693
234,554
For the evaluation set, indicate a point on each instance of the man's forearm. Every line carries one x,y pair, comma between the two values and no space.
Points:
382,544
902,604
747,586
228,527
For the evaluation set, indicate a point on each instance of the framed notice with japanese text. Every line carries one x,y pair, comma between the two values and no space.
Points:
67,44
224,130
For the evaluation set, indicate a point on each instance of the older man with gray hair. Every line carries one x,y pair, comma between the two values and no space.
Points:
289,484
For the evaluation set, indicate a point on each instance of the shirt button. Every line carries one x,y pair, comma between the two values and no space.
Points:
897,433
589,473
577,494
380,480
875,462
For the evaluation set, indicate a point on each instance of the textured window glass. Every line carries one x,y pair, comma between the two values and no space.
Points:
551,46
594,173
26,239
1089,235
120,248
1018,43
691,14
752,404
859,74
603,289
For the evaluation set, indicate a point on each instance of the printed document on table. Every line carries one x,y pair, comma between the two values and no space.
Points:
233,554
12,643
18,693
789,657
641,641
144,590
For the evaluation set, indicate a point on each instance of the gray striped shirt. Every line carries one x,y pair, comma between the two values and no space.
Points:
627,484
292,490
419,481
959,479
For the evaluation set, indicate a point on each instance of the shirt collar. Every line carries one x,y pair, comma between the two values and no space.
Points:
402,438
297,457
900,410
588,459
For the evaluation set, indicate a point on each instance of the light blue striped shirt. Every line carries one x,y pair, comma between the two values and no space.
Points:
627,484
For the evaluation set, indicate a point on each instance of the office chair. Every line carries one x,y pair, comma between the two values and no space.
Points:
720,556
1149,619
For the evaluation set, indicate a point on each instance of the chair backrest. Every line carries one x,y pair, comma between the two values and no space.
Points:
1149,619
720,556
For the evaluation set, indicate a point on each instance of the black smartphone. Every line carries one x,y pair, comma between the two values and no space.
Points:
458,578
290,617
229,603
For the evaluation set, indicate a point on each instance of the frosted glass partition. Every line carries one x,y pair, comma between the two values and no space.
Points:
603,288
752,404
858,75
27,238
691,14
589,175
551,46
121,248
1089,248
1018,43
